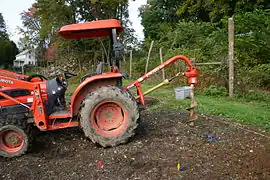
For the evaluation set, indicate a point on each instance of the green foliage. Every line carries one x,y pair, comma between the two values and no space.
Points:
200,40
215,91
44,19
8,49
156,15
3,29
208,41
254,95
261,75
253,38
157,12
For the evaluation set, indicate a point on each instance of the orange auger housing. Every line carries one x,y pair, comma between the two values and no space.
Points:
191,74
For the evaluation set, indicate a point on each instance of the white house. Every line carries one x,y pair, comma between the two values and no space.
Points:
26,57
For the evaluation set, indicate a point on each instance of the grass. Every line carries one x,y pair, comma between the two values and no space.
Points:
252,112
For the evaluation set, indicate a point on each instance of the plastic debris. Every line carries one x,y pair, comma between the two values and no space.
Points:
211,137
206,134
189,155
178,166
100,164
212,140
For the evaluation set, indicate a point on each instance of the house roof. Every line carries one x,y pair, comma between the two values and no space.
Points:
19,60
24,52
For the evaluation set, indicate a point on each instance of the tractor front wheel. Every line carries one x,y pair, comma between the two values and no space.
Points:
109,116
14,137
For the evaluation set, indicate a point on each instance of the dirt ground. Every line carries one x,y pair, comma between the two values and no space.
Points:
162,140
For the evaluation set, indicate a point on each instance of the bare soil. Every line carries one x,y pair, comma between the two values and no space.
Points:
162,140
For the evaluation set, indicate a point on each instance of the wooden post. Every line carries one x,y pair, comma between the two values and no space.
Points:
94,62
148,57
130,64
109,57
231,56
161,62
124,57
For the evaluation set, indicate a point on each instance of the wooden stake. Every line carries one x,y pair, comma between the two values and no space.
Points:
109,60
231,56
94,62
124,57
148,57
130,64
161,62
106,53
80,67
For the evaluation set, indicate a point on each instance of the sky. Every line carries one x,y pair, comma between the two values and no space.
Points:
11,10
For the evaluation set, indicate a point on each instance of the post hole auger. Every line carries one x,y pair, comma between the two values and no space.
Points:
191,73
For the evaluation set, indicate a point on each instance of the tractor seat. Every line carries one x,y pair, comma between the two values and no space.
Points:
99,70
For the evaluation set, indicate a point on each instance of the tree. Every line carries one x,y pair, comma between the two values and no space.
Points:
8,49
160,15
3,29
43,20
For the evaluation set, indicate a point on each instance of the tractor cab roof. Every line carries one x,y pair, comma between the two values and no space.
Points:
93,29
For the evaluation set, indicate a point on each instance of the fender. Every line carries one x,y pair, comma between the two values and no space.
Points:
89,85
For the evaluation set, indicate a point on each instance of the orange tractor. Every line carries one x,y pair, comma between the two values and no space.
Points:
105,110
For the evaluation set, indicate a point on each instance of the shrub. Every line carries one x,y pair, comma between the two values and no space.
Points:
261,75
254,95
216,91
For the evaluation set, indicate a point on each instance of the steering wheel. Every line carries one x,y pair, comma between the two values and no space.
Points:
41,77
67,74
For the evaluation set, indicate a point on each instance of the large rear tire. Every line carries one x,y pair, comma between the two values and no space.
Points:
15,137
109,116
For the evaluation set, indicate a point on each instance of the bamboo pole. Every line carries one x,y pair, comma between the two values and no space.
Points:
130,64
161,62
148,57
